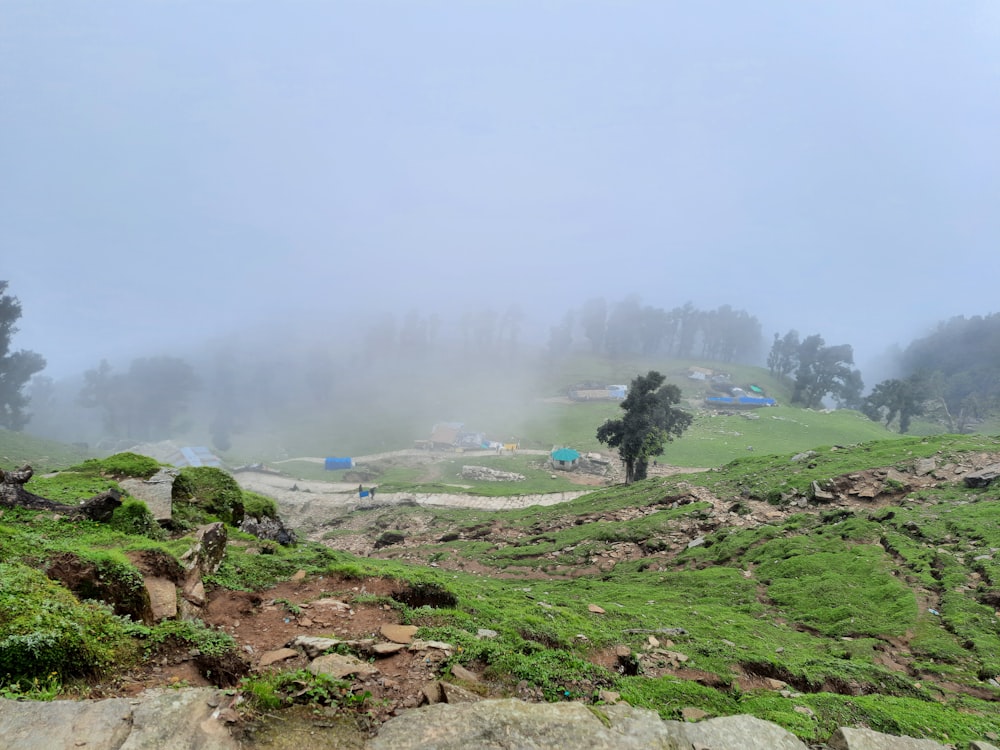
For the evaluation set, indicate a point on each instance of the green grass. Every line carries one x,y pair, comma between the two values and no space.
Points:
17,449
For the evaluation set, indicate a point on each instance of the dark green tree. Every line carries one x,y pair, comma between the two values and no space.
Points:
825,371
144,403
897,398
650,422
784,355
16,368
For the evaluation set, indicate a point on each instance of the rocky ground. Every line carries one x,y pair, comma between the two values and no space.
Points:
404,674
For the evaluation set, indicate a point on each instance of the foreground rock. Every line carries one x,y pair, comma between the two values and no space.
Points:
154,720
511,724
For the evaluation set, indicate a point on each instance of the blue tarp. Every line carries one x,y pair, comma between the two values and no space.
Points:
336,464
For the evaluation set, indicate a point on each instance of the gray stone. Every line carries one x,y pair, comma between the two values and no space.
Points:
155,492
741,733
924,466
461,673
511,724
205,555
313,646
982,746
340,666
849,738
153,720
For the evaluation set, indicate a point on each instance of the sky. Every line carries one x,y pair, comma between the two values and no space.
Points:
172,171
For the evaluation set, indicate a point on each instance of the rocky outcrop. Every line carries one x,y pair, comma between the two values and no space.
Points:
154,720
486,474
511,724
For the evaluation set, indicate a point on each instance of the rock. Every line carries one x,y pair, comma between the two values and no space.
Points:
818,493
848,738
162,598
153,720
387,649
696,542
432,693
924,466
313,646
690,713
194,591
156,492
273,657
461,673
486,474
454,694
741,732
508,724
398,633
340,666
486,633
609,696
205,555
595,609
982,478
298,576
798,457
982,746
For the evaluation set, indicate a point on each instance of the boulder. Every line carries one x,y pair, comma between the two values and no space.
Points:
155,492
741,733
153,720
510,723
848,738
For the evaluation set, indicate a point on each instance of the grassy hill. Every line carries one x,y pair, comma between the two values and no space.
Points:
732,590
530,406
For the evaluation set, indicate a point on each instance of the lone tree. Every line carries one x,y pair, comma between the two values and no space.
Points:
16,368
650,422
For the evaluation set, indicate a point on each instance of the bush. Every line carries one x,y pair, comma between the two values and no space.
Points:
213,491
44,630
133,517
259,506
120,465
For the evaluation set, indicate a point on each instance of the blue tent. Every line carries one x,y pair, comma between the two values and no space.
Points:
336,464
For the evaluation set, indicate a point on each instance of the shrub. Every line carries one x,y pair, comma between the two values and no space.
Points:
44,630
133,517
212,490
259,506
120,465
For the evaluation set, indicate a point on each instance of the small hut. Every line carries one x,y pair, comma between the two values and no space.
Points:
564,458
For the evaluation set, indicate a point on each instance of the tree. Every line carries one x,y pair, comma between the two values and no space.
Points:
825,370
650,421
784,356
894,397
594,320
144,403
16,368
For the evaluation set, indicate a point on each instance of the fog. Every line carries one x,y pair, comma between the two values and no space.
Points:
178,175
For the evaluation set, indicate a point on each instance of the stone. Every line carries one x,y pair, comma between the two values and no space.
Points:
509,723
165,719
455,694
849,738
387,649
979,745
156,492
595,609
609,696
741,732
273,657
162,598
299,575
461,673
486,633
339,666
690,713
432,693
209,547
398,633
313,646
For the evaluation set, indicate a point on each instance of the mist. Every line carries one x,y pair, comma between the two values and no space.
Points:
196,179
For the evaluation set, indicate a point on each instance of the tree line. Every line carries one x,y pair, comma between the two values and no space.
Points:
629,328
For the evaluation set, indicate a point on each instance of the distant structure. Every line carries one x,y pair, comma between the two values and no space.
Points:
598,393
565,459
197,455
